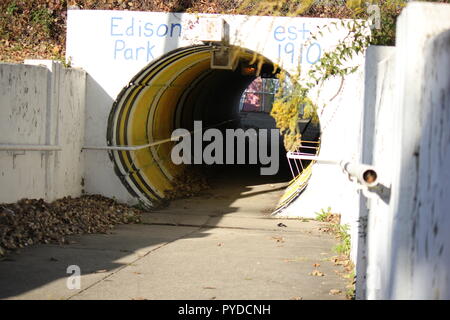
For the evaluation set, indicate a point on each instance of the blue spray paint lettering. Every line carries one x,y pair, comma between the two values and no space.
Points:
318,53
139,28
122,51
292,47
122,29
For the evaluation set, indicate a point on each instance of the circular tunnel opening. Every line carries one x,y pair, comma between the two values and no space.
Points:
180,89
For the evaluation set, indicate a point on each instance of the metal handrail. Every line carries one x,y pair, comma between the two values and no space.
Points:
151,144
29,147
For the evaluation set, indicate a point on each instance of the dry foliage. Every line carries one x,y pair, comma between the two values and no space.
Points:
189,183
29,222
36,29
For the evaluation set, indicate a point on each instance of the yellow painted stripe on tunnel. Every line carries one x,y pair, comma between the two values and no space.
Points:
116,138
161,127
165,111
178,82
136,87
133,140
121,130
295,187
175,57
141,128
136,139
137,129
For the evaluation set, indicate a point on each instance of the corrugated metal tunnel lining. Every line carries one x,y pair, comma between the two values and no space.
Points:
171,92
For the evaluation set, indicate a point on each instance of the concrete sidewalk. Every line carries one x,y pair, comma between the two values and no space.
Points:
187,251
170,262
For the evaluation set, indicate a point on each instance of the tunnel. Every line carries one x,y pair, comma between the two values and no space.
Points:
171,93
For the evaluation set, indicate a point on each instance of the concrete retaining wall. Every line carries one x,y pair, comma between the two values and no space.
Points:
41,105
377,149
404,251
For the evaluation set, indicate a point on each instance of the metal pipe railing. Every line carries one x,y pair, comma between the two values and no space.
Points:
151,144
364,174
29,147
130,148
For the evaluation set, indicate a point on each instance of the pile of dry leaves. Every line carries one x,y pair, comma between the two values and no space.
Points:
190,183
29,222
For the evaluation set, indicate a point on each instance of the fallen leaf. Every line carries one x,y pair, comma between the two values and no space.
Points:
278,239
56,49
334,292
317,273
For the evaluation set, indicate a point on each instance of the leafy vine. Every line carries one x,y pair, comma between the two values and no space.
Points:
293,100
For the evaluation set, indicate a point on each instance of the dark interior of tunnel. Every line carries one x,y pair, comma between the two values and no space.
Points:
215,101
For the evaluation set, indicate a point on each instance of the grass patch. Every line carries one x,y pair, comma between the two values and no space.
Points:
323,214
343,248
341,232
12,8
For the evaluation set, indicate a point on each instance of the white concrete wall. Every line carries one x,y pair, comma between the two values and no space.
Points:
377,149
431,245
404,251
41,105
23,101
69,163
